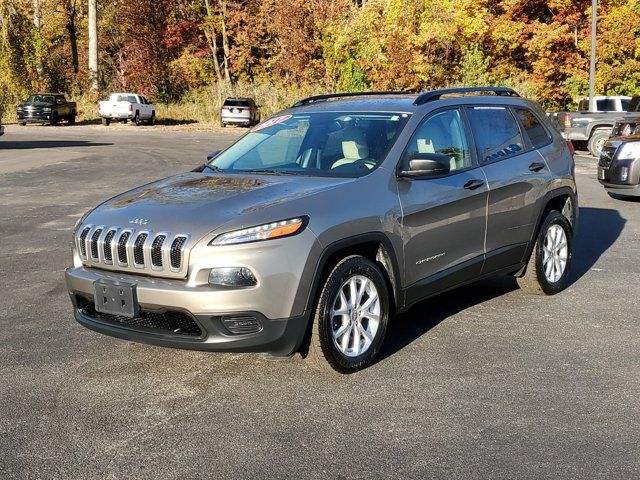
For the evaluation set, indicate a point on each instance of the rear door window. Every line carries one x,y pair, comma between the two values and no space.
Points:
535,130
606,105
496,133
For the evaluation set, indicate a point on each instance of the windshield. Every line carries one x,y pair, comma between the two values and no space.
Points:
317,144
41,99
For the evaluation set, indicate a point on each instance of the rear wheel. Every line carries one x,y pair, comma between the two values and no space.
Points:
597,140
152,118
72,118
106,121
136,119
23,123
548,268
222,124
350,316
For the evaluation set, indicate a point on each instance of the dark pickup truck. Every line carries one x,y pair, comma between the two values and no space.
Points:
46,108
592,128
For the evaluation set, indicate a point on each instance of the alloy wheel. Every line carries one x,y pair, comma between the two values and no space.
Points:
355,316
555,253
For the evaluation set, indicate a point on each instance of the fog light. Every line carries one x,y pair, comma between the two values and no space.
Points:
232,277
242,325
624,173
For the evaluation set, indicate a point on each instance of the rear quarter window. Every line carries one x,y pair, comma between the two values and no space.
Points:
533,127
495,132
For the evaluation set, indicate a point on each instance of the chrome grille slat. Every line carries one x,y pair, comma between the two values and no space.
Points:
127,249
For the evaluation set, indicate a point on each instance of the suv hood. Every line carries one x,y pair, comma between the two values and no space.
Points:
198,203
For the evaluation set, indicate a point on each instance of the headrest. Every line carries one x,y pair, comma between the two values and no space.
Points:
354,144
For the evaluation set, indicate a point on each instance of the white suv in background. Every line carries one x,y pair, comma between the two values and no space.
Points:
127,106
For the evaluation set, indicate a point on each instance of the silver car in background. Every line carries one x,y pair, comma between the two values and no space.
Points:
239,111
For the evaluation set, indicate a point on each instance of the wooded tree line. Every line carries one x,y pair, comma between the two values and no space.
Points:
167,48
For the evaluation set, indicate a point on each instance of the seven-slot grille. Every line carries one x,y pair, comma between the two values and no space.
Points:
127,249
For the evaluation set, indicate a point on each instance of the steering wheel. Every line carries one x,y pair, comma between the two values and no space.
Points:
365,163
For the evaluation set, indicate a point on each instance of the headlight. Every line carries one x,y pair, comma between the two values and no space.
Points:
283,228
629,151
46,109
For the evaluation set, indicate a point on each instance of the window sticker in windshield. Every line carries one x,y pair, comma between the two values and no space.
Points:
271,122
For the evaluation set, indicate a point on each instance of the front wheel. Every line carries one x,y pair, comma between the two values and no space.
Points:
54,118
72,119
106,121
547,272
350,317
152,118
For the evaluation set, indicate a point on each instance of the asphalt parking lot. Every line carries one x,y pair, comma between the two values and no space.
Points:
482,382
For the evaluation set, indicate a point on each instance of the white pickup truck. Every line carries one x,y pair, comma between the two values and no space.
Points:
127,106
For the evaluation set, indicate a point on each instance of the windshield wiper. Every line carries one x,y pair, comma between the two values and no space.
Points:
270,171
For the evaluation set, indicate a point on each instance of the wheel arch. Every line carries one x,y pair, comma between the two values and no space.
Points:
375,246
553,200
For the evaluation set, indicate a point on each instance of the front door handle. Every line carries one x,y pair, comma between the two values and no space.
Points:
473,184
536,166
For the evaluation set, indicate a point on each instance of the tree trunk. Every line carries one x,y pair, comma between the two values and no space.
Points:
93,45
212,41
73,33
225,43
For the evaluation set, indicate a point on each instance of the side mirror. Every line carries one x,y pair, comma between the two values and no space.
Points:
213,155
427,165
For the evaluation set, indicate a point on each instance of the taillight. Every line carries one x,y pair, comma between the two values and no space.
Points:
567,120
571,147
131,107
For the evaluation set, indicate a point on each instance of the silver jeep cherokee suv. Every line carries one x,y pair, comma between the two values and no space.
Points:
319,224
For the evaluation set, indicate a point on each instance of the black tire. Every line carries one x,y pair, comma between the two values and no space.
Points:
24,124
323,352
152,119
136,119
534,280
222,124
72,119
596,142
54,119
106,121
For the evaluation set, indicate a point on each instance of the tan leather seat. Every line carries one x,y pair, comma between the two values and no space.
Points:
354,148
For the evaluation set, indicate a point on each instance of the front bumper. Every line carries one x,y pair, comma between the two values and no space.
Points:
625,190
200,308
34,117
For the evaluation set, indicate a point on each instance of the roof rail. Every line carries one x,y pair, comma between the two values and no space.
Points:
327,96
436,94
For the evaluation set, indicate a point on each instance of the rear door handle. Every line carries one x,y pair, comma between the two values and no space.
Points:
473,184
536,166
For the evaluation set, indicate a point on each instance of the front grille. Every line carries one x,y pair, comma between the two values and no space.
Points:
606,156
83,241
156,250
168,323
107,245
176,252
114,248
94,243
122,247
138,252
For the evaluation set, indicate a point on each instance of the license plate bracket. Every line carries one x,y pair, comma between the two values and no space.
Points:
116,298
